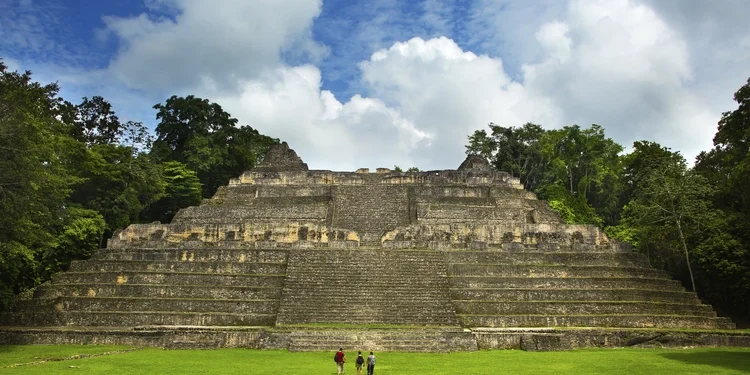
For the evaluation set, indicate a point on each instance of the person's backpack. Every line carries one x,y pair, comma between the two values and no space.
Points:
337,357
360,360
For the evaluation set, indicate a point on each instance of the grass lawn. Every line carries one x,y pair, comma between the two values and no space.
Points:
255,362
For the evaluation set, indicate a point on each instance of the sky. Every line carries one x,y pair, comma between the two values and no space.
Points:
364,84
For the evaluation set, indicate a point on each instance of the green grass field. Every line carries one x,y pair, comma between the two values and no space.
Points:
123,360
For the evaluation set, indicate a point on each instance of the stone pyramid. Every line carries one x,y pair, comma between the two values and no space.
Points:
287,257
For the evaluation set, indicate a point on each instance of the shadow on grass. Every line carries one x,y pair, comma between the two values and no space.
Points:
739,361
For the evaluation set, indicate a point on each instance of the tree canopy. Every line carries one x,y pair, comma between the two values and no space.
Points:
72,174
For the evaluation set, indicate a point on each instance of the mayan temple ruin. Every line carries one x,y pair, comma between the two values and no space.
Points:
290,258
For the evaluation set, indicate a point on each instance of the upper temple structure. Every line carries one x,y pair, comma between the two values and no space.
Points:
292,258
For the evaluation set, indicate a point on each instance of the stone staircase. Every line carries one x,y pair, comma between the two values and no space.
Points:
288,258
568,288
366,286
170,287
378,340
370,210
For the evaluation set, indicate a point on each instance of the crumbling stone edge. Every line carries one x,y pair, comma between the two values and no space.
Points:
543,339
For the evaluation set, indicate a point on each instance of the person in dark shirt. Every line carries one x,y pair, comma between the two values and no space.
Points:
359,362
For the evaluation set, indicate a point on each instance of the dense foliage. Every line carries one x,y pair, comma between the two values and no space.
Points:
693,222
72,174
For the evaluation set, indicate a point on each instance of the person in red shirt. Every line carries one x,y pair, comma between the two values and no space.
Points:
340,359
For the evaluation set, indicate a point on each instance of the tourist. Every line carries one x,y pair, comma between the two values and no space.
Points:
340,359
359,362
370,364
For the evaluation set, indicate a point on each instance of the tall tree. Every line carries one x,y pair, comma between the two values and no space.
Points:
670,202
115,182
182,189
582,172
727,165
725,251
201,135
515,150
92,121
576,170
33,180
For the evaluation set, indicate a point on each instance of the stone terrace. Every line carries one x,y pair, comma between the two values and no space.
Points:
285,257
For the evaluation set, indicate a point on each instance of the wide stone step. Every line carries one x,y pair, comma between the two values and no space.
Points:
557,308
548,258
143,304
362,273
131,318
353,270
178,266
394,334
367,286
303,210
367,257
211,254
383,300
393,303
384,295
168,278
161,290
38,318
372,316
504,294
590,320
382,342
364,265
567,282
551,271
377,347
408,283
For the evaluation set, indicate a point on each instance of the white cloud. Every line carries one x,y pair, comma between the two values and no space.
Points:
618,63
719,45
288,103
507,28
448,93
661,70
553,37
209,42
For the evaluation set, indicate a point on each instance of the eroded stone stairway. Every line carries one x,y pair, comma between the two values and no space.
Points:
367,286
288,258
174,287
568,288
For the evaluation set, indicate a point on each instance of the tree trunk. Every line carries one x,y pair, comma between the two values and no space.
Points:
570,178
687,257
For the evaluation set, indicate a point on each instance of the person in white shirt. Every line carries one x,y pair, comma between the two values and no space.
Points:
370,364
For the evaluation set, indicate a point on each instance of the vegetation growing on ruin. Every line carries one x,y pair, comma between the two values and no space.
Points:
72,174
